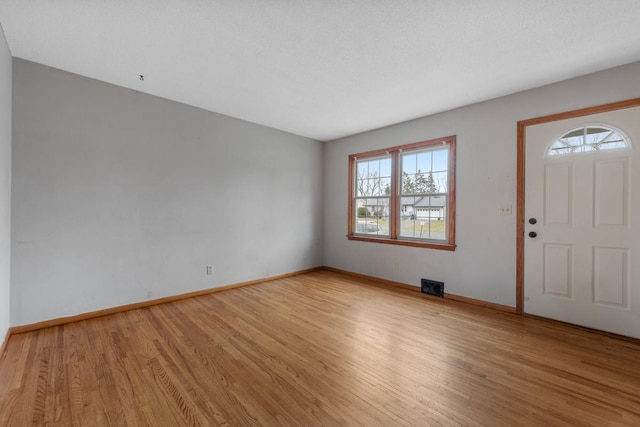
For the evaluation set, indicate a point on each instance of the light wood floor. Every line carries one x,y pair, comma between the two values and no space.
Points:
318,349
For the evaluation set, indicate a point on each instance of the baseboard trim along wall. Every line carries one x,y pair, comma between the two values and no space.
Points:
448,296
119,309
122,308
384,282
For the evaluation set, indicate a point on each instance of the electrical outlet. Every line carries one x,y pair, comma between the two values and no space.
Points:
209,270
505,210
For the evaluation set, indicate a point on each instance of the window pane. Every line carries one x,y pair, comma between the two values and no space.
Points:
425,172
385,168
425,183
408,183
613,140
424,161
372,216
373,187
409,164
573,141
587,139
559,147
385,187
440,182
424,217
440,160
363,169
595,135
407,203
363,187
372,177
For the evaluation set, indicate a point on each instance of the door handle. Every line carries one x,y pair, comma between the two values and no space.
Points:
532,234
532,221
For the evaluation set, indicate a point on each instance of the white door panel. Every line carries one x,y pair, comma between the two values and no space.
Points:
582,266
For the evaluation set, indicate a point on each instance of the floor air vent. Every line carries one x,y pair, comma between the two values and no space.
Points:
432,287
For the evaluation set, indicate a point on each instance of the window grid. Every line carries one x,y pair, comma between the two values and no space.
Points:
383,209
586,139
423,198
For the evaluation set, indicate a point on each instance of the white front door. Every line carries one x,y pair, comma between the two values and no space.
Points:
582,265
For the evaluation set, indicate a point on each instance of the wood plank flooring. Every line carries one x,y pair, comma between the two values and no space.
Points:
318,349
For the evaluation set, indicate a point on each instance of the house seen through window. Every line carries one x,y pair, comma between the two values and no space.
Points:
404,194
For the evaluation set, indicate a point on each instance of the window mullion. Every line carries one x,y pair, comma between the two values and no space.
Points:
394,202
352,195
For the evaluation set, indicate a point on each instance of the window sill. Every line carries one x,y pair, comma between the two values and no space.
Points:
416,244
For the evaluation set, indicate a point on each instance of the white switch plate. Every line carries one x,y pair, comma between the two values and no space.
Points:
209,269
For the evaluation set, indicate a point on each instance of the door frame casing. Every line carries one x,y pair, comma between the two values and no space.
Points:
520,178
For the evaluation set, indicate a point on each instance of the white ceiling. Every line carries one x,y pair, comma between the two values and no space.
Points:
325,68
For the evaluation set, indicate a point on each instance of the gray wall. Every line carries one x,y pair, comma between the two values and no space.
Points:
5,184
483,265
121,197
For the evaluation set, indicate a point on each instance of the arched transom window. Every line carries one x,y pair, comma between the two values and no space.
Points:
588,138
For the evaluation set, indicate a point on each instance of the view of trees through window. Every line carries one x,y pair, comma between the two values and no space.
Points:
373,194
587,139
422,183
420,209
423,194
